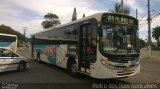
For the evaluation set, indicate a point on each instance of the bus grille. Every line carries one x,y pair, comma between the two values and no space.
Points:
123,67
125,72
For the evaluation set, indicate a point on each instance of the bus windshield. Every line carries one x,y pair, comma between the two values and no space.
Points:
6,40
119,39
9,41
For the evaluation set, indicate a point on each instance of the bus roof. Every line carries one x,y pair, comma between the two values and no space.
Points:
97,16
2,34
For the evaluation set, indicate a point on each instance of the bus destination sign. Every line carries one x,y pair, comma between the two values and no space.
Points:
119,19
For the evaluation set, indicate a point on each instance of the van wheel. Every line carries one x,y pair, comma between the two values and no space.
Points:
22,66
73,69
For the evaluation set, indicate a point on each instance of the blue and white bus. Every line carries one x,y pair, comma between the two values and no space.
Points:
9,41
103,45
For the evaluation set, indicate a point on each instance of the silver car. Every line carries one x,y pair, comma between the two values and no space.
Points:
10,60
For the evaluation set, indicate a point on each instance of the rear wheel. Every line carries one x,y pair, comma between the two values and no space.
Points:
22,66
73,69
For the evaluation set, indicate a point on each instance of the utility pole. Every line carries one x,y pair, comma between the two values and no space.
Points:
83,15
24,33
122,6
149,30
136,13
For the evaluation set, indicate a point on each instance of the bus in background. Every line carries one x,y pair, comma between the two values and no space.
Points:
9,41
103,45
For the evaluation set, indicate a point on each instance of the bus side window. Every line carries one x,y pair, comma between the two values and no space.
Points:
94,39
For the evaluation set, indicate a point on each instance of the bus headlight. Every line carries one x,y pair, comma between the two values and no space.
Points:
104,62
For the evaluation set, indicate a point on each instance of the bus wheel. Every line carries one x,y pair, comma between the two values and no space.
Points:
73,69
21,66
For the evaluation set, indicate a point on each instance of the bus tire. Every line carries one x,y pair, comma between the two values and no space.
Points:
38,57
21,66
73,69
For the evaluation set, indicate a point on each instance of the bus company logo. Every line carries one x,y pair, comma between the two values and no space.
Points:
49,51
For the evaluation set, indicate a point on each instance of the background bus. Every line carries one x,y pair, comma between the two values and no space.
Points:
9,41
103,45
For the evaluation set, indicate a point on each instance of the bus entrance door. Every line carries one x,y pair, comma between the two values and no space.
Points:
84,49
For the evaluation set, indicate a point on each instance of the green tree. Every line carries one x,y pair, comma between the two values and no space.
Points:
142,43
50,20
118,9
156,34
74,16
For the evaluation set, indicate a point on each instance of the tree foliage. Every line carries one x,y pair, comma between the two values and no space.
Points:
74,16
50,20
142,43
156,34
118,9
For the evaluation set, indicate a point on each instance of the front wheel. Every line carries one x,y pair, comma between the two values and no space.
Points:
21,66
73,69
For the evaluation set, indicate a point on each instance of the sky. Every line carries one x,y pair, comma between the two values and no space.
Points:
30,13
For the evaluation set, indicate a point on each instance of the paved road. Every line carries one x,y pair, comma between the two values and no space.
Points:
45,73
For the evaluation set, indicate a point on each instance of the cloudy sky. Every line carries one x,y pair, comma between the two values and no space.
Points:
29,13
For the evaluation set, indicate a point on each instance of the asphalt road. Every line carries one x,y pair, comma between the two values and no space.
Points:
45,73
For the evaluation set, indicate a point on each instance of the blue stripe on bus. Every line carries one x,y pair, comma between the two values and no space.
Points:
39,48
2,44
52,59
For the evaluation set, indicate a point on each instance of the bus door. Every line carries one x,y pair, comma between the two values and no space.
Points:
87,53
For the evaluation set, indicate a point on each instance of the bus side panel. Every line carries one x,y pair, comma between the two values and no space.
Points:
53,54
61,59
47,53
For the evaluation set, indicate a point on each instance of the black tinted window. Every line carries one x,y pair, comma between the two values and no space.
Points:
7,38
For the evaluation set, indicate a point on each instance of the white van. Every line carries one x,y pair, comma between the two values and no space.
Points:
10,60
